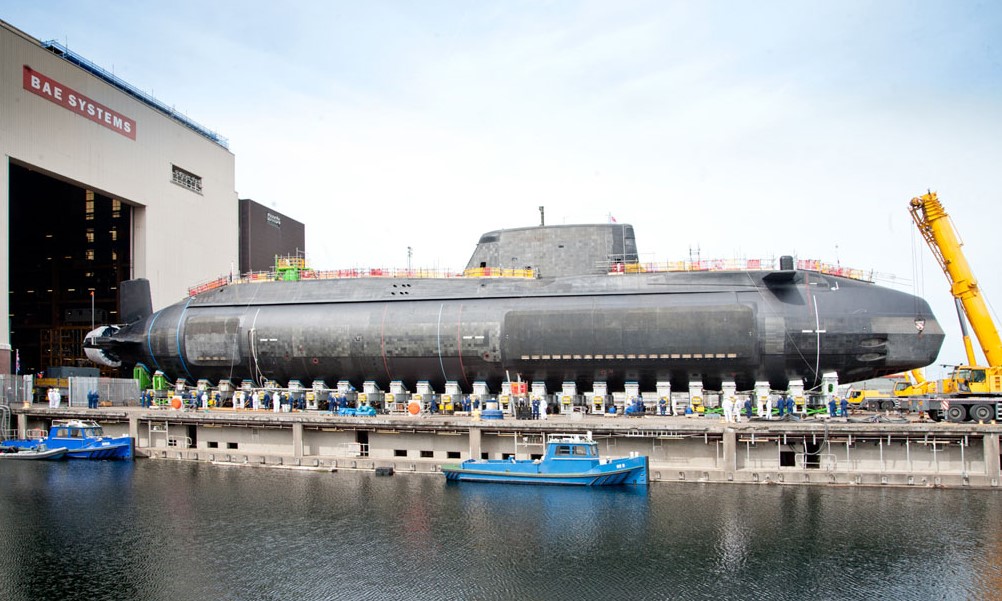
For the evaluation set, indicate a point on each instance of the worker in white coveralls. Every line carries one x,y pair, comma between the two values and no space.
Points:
728,406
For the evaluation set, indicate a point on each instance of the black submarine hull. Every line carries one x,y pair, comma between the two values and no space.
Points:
741,326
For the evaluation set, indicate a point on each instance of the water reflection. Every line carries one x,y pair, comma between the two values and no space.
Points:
169,530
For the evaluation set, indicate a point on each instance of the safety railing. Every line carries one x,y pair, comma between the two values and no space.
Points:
825,461
739,265
352,449
497,272
614,268
179,442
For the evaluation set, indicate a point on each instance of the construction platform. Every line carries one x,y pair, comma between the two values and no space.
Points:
864,450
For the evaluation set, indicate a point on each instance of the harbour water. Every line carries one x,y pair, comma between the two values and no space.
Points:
173,530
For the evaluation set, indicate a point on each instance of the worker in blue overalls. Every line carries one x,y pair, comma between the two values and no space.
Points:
535,408
662,406
831,407
748,408
844,406
781,405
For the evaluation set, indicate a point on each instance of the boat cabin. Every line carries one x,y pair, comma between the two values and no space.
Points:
75,428
571,448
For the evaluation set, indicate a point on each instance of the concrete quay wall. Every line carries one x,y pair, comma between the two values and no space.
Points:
683,450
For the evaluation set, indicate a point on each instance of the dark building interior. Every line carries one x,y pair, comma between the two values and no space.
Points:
66,242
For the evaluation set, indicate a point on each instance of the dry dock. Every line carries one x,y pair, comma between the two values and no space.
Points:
681,449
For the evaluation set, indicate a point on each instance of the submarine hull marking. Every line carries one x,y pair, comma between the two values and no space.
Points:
628,333
212,341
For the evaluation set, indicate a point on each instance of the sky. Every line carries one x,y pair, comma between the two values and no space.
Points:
724,128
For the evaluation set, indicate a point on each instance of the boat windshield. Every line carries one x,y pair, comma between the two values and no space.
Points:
78,432
573,450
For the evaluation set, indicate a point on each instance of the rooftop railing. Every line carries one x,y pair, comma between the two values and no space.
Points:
112,79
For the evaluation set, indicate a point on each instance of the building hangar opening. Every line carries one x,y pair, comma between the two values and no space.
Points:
70,246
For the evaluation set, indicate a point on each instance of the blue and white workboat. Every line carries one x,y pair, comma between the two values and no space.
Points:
569,460
82,439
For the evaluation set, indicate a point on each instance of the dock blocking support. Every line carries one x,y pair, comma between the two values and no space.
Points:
730,458
474,443
992,460
297,440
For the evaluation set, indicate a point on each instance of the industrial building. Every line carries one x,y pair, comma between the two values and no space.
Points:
265,233
101,183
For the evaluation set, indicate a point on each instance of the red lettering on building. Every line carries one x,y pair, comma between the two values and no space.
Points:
74,101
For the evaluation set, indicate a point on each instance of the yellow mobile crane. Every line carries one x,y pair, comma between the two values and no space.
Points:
973,391
915,384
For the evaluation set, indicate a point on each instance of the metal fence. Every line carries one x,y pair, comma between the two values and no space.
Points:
119,391
15,390
5,431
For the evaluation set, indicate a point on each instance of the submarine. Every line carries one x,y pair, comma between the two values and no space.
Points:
554,303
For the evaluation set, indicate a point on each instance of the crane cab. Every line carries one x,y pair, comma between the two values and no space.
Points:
974,380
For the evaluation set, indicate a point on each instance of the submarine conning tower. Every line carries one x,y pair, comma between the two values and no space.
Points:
557,250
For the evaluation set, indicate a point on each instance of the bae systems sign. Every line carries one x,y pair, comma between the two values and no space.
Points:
74,101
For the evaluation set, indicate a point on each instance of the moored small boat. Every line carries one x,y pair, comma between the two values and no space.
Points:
37,452
569,460
81,439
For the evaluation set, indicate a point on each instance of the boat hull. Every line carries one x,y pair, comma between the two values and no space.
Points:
120,450
633,470
32,454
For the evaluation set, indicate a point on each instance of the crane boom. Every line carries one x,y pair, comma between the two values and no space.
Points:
935,226
968,347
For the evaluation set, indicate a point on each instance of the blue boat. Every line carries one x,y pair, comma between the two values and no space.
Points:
82,439
569,460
